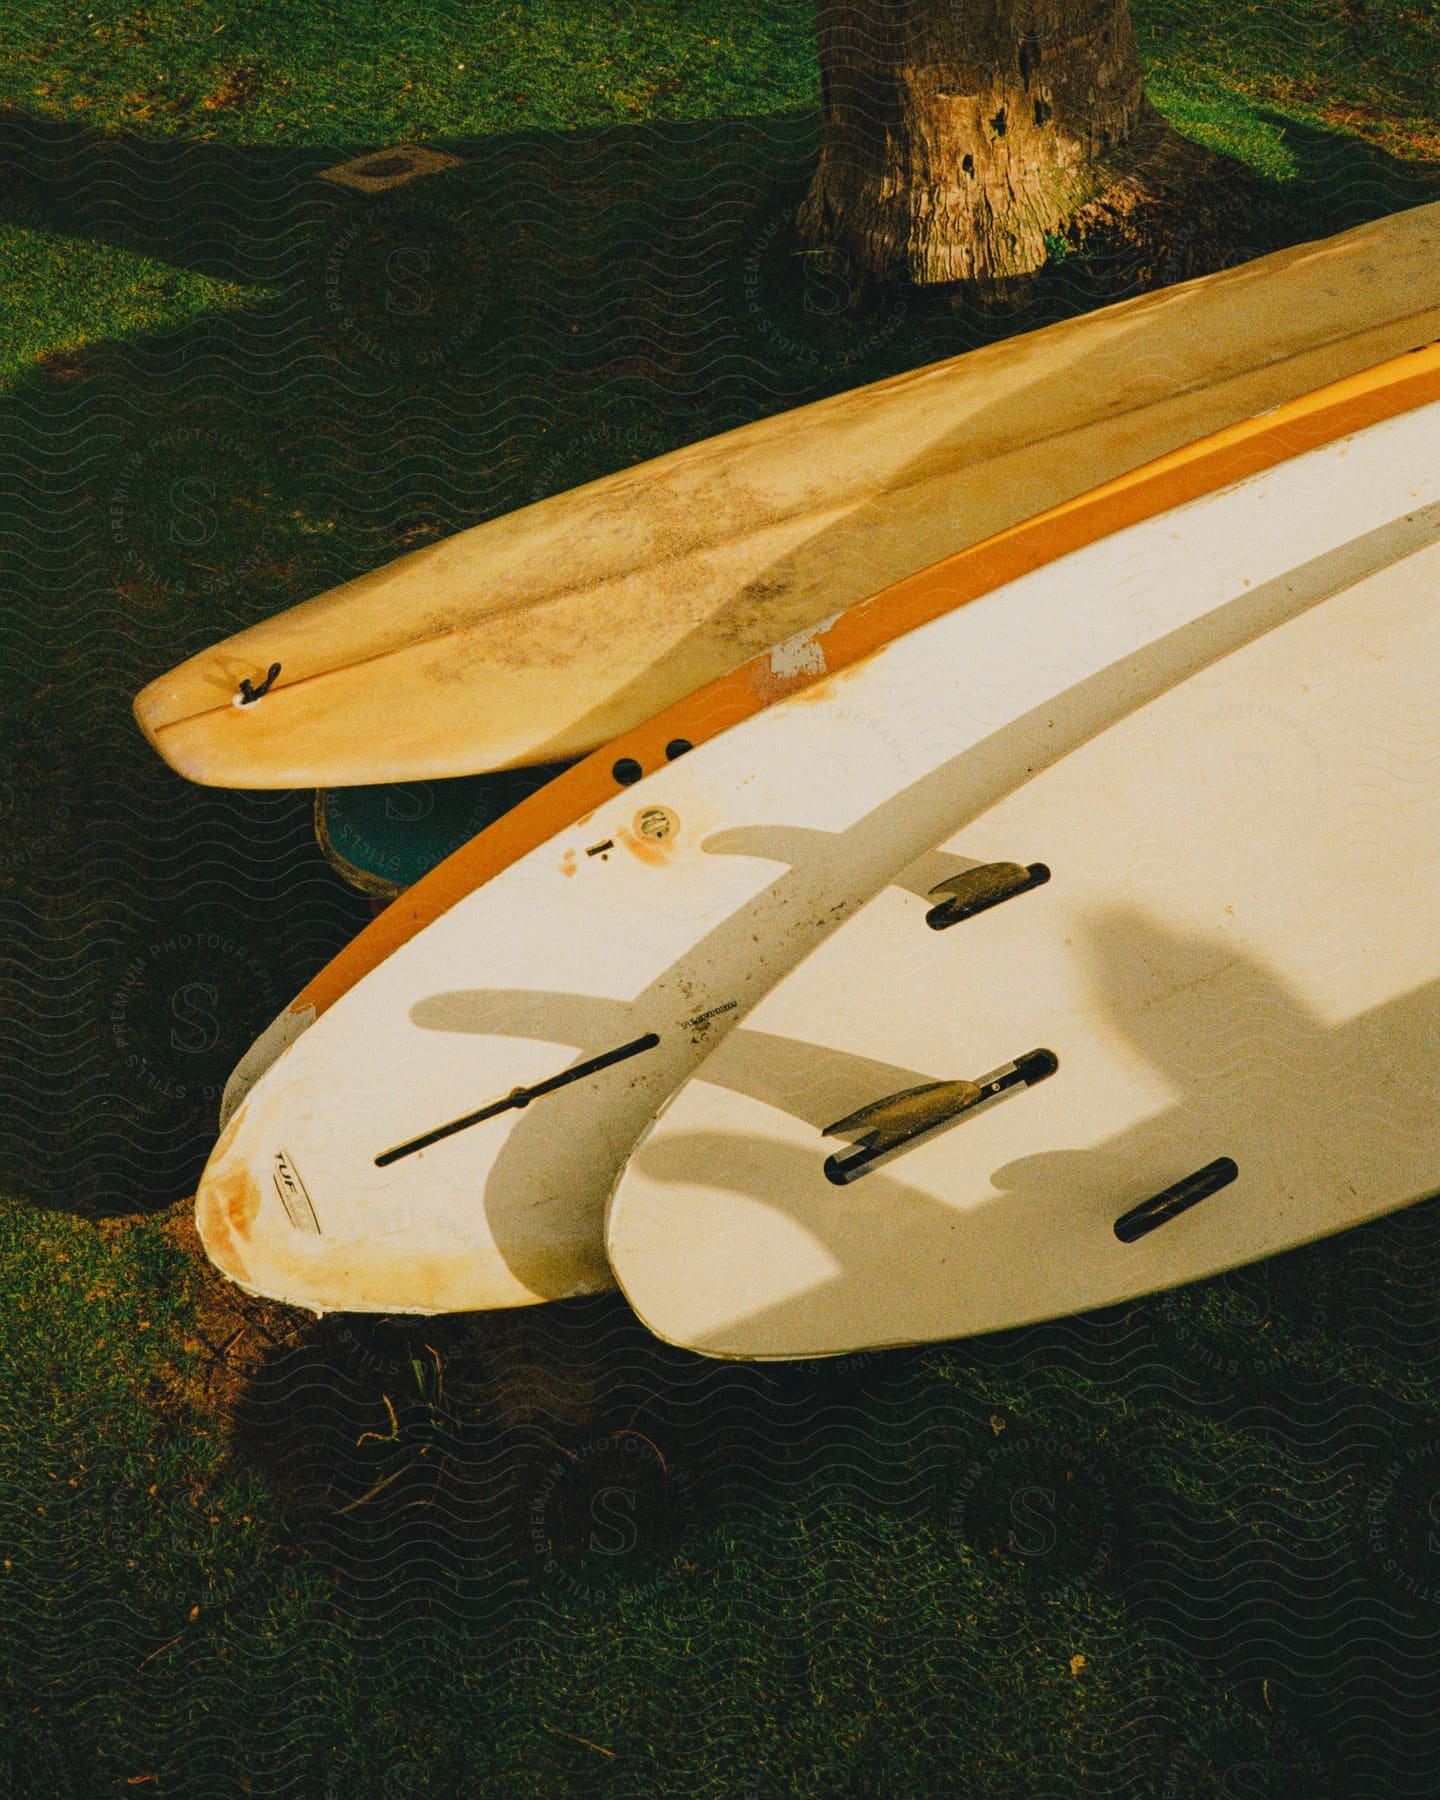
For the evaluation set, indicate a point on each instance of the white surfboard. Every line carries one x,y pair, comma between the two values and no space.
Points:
445,1135
1204,1027
544,633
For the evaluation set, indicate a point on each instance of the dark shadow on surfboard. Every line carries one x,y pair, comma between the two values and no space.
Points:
823,1082
1254,1073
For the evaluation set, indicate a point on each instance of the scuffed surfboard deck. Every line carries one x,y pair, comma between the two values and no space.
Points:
1234,962
543,634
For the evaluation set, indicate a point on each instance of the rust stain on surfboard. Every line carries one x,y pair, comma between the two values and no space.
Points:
241,1200
212,1222
653,851
228,1205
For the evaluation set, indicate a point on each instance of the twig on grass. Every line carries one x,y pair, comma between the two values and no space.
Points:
579,1740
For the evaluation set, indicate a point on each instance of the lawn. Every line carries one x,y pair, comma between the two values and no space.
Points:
1184,1548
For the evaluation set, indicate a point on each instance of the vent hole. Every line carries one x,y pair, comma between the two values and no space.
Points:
1029,56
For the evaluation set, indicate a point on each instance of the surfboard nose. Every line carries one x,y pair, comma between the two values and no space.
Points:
227,1205
172,712
151,708
293,1219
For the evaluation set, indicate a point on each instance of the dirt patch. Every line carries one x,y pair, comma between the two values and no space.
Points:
294,1396
1398,133
78,364
1416,137
237,87
232,1335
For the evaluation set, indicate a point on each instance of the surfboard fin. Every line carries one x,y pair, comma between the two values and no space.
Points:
249,693
887,1125
519,1097
982,887
899,1116
1170,1202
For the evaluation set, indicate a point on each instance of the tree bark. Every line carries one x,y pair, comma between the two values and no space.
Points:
962,138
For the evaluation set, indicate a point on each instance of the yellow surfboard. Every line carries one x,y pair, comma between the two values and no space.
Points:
545,633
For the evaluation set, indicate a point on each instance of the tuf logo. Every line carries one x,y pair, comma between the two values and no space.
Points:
293,1197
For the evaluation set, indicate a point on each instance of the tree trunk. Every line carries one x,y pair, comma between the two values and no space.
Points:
962,138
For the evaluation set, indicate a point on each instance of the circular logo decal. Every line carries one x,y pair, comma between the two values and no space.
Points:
657,822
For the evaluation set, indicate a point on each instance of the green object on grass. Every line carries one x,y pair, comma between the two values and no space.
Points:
382,839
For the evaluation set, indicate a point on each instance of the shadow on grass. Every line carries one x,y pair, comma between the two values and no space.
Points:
554,1454
1339,181
1204,1466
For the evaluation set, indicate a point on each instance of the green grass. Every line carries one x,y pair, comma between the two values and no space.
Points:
332,1558
65,294
257,74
